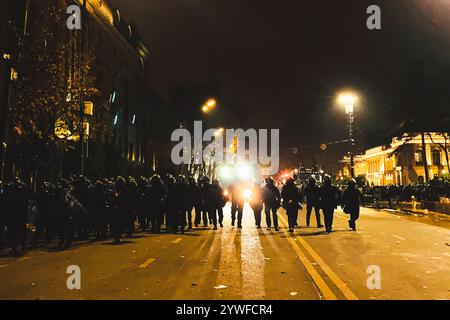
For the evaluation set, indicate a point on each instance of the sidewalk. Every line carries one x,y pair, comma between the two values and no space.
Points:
420,208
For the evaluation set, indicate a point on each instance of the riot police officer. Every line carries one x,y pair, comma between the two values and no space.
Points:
171,203
204,186
142,212
257,203
46,217
311,193
272,200
181,203
99,214
125,207
216,202
291,202
237,204
195,202
329,198
351,201
17,197
156,197
133,205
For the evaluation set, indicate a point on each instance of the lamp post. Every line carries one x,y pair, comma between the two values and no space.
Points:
348,100
82,80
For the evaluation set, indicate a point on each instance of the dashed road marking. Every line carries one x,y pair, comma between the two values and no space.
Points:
398,237
177,240
3,266
23,259
147,263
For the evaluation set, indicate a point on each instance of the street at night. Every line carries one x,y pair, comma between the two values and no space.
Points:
414,259
225,158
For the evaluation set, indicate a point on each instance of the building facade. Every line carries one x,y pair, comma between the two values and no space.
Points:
120,67
402,161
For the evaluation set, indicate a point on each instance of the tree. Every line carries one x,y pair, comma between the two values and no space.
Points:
45,109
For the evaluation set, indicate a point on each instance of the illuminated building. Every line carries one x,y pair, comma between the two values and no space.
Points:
401,162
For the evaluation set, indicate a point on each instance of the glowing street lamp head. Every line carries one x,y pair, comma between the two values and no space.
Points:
211,103
348,100
205,109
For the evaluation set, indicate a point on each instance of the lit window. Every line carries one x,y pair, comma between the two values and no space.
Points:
418,157
436,155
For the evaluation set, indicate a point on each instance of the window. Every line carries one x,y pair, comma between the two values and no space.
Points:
418,157
436,156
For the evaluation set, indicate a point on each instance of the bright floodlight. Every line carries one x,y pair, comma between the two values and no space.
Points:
247,193
244,172
225,173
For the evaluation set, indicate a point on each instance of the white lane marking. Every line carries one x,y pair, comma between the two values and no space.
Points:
398,237
3,266
177,240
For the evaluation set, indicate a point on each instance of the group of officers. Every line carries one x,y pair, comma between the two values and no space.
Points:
83,208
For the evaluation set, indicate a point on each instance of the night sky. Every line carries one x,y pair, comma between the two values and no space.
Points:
285,60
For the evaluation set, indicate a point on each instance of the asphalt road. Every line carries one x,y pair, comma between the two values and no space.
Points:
412,257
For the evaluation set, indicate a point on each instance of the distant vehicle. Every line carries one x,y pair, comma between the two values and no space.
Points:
303,175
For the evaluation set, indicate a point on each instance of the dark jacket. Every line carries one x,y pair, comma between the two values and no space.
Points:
329,197
271,196
196,196
256,202
291,196
311,193
352,200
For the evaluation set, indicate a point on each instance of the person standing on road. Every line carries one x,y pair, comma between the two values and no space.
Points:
272,200
312,202
181,203
351,202
196,202
257,203
125,207
237,204
17,197
216,202
132,212
291,202
328,199
155,200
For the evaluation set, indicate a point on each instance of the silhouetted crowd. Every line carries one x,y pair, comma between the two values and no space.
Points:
113,208
434,191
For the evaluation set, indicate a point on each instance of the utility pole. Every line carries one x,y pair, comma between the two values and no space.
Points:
351,121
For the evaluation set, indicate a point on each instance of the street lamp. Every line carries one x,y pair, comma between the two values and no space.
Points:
348,100
209,105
